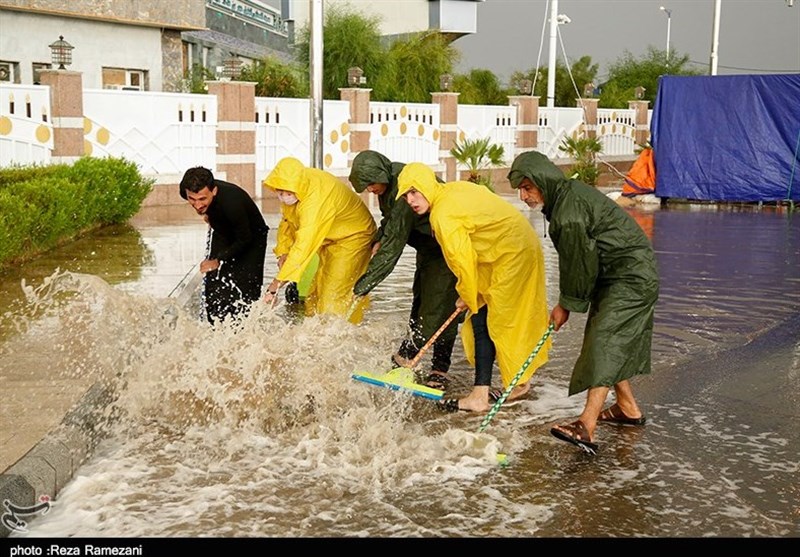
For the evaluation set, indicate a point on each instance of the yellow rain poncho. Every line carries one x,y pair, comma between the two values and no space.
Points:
496,256
330,220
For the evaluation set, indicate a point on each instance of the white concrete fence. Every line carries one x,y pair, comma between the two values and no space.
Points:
166,133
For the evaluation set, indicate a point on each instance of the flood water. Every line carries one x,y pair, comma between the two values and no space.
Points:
258,430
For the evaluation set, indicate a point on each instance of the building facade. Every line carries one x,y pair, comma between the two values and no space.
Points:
117,44
149,45
152,45
453,18
248,30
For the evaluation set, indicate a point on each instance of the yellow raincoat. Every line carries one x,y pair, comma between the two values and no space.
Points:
330,220
496,256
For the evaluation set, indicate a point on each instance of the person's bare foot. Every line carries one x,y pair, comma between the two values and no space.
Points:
520,391
474,404
476,401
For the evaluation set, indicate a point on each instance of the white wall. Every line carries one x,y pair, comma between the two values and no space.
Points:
24,38
397,16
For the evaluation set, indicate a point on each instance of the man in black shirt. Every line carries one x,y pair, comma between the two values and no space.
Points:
234,265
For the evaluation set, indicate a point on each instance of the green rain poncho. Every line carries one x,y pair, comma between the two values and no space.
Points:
606,266
434,293
331,220
497,259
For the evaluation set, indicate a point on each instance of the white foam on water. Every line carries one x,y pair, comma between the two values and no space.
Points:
257,429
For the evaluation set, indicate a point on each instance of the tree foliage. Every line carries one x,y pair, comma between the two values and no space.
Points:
569,82
276,79
414,66
406,70
629,72
479,155
350,39
481,86
584,150
195,80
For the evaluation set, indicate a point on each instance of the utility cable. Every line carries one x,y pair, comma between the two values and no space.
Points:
541,43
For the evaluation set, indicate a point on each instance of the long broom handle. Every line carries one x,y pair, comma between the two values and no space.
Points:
515,380
433,338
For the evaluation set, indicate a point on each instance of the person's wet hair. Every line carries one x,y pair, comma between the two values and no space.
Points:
195,179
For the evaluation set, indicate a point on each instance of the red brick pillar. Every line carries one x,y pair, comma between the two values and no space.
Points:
642,133
589,115
66,109
236,132
359,119
448,123
527,122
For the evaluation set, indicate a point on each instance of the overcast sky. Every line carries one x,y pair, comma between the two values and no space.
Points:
755,36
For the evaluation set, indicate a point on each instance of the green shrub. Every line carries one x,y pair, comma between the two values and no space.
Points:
14,174
584,150
42,207
17,217
479,156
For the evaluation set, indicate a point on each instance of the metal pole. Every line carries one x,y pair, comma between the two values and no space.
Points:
315,78
715,38
669,25
669,22
551,66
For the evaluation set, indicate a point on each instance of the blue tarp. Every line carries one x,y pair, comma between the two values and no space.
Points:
727,138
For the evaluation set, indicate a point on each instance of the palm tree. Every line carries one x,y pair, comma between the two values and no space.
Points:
478,155
584,150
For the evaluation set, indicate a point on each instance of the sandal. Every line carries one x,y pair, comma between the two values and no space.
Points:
577,434
495,394
436,380
614,415
399,361
449,405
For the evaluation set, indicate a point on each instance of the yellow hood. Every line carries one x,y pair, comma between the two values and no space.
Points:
421,178
288,175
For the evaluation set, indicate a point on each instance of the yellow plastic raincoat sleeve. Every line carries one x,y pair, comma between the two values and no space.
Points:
459,255
287,230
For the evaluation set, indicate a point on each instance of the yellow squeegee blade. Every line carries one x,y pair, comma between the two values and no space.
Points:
399,379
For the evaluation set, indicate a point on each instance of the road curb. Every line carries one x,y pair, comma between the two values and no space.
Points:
42,472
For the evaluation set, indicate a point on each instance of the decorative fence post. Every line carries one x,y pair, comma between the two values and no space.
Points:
359,119
589,116
236,132
527,122
448,120
66,100
642,133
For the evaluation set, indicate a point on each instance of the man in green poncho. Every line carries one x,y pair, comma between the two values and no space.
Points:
606,267
434,292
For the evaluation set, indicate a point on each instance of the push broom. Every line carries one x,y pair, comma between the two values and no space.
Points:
402,378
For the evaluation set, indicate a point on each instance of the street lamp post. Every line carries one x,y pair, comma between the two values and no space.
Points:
315,78
669,21
715,40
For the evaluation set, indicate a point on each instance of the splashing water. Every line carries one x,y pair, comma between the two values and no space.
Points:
255,428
